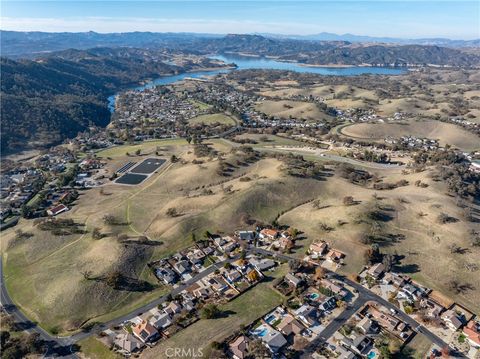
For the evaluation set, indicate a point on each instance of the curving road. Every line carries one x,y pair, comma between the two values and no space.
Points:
364,296
63,346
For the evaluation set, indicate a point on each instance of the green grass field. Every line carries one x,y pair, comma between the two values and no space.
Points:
91,348
212,118
147,147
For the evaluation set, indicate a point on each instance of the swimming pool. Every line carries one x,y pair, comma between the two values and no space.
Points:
260,332
270,318
371,355
313,296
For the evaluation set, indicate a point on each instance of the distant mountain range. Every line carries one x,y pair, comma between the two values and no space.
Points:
327,36
31,44
50,91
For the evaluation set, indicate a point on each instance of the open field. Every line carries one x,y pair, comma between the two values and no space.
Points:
241,311
91,348
269,140
220,118
297,109
45,273
446,133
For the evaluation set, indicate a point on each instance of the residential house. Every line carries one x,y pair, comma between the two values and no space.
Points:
376,270
307,314
453,320
173,308
55,210
217,283
166,274
395,279
239,347
334,256
274,340
161,320
434,310
232,275
293,279
367,326
472,332
318,249
262,264
344,353
247,235
146,332
290,325
337,289
126,343
268,233
182,267
359,344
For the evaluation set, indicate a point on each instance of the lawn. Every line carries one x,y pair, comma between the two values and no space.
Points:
270,140
94,349
213,118
201,105
146,147
241,311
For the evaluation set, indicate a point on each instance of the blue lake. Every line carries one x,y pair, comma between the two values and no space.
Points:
245,63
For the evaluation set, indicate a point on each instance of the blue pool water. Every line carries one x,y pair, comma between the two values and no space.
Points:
371,355
314,296
270,319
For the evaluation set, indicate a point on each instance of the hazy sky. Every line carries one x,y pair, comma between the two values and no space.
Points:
413,19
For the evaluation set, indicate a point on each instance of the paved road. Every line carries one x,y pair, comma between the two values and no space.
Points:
329,157
56,347
151,305
365,295
61,346
332,327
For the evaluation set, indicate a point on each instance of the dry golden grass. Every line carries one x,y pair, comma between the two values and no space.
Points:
446,133
296,109
425,246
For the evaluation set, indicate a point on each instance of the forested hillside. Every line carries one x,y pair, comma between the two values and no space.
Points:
47,100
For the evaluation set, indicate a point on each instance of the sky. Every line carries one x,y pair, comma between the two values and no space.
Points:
405,19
